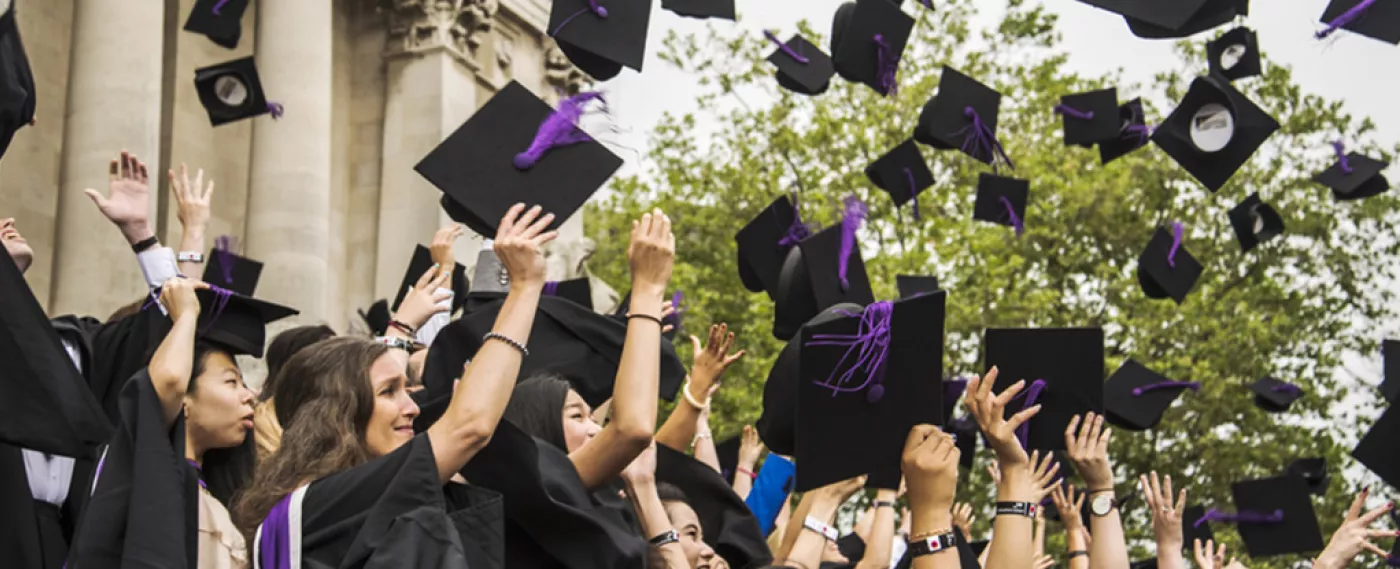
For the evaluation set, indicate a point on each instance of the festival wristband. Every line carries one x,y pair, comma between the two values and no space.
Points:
884,504
144,244
746,472
189,257
821,527
1027,509
666,538
1079,553
933,544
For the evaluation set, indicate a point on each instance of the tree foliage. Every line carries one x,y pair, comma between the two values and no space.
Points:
1291,308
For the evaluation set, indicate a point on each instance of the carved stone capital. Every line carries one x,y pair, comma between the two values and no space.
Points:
459,26
560,73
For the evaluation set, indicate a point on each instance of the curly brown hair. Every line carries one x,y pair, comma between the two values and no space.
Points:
324,409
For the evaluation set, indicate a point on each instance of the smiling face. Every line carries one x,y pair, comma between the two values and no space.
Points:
15,245
579,427
218,406
687,523
391,423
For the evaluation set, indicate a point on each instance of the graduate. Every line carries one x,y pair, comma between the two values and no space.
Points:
267,431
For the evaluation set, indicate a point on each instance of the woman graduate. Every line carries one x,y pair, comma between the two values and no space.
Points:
358,488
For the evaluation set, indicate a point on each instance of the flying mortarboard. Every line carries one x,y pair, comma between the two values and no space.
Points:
231,271
910,285
1255,222
232,92
764,242
578,290
1375,19
1274,516
601,37
377,317
1214,131
1235,55
802,66
1390,384
421,261
20,101
822,270
1063,369
867,42
777,425
1313,471
1354,176
1002,200
902,173
1090,118
1273,395
237,322
1165,268
1133,133
219,20
1213,14
721,9
1166,14
516,149
964,431
962,115
1135,397
1376,450
1191,531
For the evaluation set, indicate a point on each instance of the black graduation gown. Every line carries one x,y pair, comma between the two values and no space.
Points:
17,100
729,526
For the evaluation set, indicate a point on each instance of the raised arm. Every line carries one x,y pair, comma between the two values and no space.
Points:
817,509
1355,535
704,446
1166,520
1087,446
1011,545
635,391
750,449
480,397
127,205
446,261
194,201
1069,504
640,477
173,362
711,360
930,464
422,303
879,538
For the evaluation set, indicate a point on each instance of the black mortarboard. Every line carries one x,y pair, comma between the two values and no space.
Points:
810,280
729,526
1190,531
852,547
1144,564
1255,222
1273,395
578,290
947,120
762,247
1069,360
722,9
802,66
19,101
1390,384
902,173
1313,471
777,425
1136,397
1235,55
727,451
477,164
1213,14
228,270
1167,14
1133,133
601,38
238,322
1090,118
377,318
964,431
1278,516
420,263
1214,131
1377,448
219,20
1378,20
1354,177
1165,268
910,285
854,399
231,91
867,42
1002,200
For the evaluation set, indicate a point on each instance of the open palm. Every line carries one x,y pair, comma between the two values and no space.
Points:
128,197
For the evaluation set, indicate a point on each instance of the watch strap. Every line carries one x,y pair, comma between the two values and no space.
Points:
821,527
933,544
883,504
666,538
144,244
1073,554
1027,509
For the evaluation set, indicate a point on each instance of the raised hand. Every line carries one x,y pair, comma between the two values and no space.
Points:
1355,535
988,410
441,246
1044,469
1166,515
192,199
712,359
1044,562
425,299
963,518
1087,446
930,463
750,448
643,468
128,200
519,244
651,253
1210,557
178,297
1069,504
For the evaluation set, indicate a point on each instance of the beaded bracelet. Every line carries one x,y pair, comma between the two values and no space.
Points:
519,347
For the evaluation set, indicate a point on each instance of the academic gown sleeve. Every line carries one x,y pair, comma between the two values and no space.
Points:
121,349
17,98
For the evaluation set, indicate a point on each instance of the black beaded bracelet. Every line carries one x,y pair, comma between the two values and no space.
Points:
507,341
647,317
144,244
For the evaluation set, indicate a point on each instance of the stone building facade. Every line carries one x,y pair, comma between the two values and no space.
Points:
325,197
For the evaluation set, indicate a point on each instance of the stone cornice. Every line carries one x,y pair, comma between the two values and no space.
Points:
457,26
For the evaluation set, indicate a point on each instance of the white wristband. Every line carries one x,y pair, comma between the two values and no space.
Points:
691,398
821,527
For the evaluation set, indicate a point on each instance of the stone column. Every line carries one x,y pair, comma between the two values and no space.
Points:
289,192
114,103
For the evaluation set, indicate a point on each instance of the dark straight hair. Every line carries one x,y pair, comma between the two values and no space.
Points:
226,471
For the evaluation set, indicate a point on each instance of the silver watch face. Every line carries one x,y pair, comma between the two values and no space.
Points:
1101,504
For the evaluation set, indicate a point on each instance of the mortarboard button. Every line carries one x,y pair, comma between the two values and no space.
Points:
1191,531
1133,133
377,317
1066,363
1213,14
1274,516
777,425
1214,131
867,42
1135,397
764,242
578,290
1255,222
421,261
1376,450
1390,385
515,149
219,20
1375,19
1165,268
238,322
703,9
601,37
910,285
902,173
1273,395
963,114
1090,118
823,270
1354,176
802,66
228,270
1002,200
1235,55
1313,471
232,92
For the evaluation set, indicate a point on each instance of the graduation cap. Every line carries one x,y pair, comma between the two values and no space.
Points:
864,379
727,523
601,37
1313,471
1090,118
727,451
965,435
764,242
1190,530
1144,564
1214,131
231,271
1255,222
1002,200
867,41
1235,55
377,318
911,285
420,263
219,20
578,290
1376,450
1063,370
1273,395
1390,385
1135,397
777,424
1166,268
852,547
962,115
1370,18
1169,14
1213,14
702,9
1354,176
232,92
18,105
237,322
516,149
1133,133
902,173
802,66
822,270
1274,516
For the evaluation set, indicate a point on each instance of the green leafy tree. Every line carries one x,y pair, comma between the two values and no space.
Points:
1291,308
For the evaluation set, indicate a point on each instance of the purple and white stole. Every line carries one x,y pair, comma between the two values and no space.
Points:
277,544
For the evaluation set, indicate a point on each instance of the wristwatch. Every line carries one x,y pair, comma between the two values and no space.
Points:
1102,502
666,538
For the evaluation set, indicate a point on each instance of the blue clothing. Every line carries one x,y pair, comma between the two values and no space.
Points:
770,490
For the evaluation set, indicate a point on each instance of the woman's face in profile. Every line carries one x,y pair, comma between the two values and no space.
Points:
579,426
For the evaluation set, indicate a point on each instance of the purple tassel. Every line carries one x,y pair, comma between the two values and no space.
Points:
676,299
276,109
1241,517
1288,388
1032,393
850,224
1347,17
1139,131
221,296
979,140
551,288
913,192
870,346
155,298
927,3
593,6
1073,112
1193,386
223,247
219,8
1342,161
953,389
559,129
1177,231
788,50
887,64
795,233
1016,221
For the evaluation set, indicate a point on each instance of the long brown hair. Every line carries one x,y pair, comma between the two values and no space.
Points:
324,402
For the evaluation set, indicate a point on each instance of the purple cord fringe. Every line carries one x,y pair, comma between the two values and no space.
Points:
1347,17
788,50
1016,221
1342,161
223,247
1177,232
559,129
979,140
219,8
1023,432
887,64
913,192
593,6
1073,112
850,224
1192,385
869,347
1241,517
